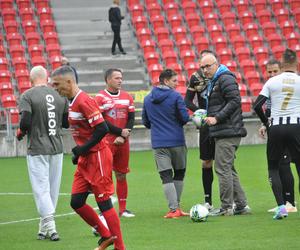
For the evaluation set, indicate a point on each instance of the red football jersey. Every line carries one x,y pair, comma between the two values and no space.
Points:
115,108
84,115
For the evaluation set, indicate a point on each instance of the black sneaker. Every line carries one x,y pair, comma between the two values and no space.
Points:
242,211
113,53
41,236
54,237
123,53
221,212
105,242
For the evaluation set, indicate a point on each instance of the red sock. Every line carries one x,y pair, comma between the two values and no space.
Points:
113,223
89,215
122,191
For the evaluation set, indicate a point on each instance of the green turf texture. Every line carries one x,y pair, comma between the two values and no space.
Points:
149,230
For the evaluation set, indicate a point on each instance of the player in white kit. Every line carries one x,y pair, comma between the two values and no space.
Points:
283,91
43,113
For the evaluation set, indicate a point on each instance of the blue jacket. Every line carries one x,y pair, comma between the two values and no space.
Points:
165,113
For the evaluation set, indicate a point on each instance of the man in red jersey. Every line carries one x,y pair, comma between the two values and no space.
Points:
93,159
118,111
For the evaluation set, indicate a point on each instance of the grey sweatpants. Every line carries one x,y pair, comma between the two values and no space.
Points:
229,183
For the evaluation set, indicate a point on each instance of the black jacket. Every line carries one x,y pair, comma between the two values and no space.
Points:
224,103
114,15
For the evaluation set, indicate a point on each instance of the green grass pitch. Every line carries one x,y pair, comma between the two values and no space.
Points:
149,230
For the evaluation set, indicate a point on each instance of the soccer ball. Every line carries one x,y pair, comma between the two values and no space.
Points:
198,213
198,117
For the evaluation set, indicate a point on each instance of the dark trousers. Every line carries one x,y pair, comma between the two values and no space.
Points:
117,38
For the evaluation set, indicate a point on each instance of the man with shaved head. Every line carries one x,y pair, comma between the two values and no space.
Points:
43,113
226,127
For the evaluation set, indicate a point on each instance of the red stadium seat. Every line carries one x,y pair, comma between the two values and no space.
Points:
251,29
287,27
256,41
277,4
296,13
231,65
264,16
191,67
187,56
26,14
197,31
23,86
233,30
29,26
14,39
192,19
274,40
281,15
14,116
171,9
246,17
143,34
165,45
246,104
259,5
11,27
154,72
5,76
175,21
151,58
38,60
9,101
140,22
220,42
262,65
162,33
132,2
41,4
241,5
157,21
189,7
184,44
255,88
269,28
278,51
224,6
32,38
238,77
170,57
50,38
8,15
238,41
224,55
17,51
215,31
252,77
176,67
23,4
181,83
242,89
211,19
19,63
201,43
243,53
179,33
4,65
6,88
293,39
229,18
55,62
2,51
44,13
153,9
206,7
53,50
48,26
261,53
36,50
294,4
6,4
247,65
22,76
148,46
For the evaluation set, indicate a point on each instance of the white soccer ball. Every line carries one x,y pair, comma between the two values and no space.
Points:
198,213
198,117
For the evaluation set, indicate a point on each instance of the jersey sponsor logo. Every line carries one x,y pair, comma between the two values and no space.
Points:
75,115
51,115
112,113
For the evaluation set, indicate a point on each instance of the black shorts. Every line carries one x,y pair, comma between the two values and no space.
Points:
206,144
282,138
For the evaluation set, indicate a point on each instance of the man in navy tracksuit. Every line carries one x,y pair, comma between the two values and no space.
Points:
165,113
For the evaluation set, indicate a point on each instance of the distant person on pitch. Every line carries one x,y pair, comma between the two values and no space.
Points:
115,18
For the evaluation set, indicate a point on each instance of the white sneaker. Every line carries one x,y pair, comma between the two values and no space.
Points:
208,206
127,214
290,208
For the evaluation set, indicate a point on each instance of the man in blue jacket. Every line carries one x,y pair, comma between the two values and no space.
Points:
165,113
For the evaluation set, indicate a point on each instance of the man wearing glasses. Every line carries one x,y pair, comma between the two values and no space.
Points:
226,127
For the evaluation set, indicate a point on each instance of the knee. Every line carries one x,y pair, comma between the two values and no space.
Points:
166,176
105,205
77,201
120,176
179,174
207,163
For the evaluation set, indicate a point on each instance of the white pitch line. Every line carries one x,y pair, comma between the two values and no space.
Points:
11,193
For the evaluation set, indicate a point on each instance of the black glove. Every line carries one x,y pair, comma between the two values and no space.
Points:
75,159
